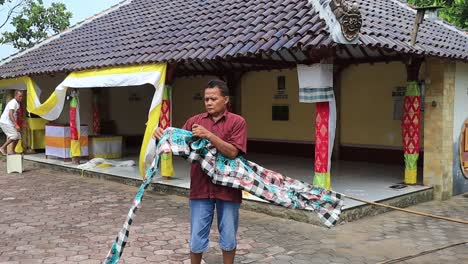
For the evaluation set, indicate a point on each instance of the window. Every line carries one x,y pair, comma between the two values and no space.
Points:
280,113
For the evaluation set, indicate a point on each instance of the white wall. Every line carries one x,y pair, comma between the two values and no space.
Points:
183,103
461,99
367,105
130,116
460,182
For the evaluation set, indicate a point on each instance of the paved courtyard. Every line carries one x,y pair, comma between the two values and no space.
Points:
49,216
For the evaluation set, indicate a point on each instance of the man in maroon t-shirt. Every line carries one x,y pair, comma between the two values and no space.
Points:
228,133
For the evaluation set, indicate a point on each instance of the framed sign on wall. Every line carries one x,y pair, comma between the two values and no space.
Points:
280,113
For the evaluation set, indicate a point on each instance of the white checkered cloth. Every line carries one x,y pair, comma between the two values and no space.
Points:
119,244
236,173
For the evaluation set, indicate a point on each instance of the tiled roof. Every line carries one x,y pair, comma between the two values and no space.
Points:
144,31
388,24
203,31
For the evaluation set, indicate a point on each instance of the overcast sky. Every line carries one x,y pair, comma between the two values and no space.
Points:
81,9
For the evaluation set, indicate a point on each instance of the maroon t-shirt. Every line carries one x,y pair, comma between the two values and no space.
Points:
231,128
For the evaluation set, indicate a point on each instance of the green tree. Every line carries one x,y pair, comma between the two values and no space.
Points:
35,23
453,11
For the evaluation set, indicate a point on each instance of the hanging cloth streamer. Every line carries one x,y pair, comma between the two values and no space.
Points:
119,76
75,146
236,173
411,127
167,167
316,86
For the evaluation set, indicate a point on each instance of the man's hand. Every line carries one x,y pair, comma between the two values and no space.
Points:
201,132
17,128
158,133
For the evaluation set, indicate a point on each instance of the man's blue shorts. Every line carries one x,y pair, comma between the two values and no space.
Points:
201,218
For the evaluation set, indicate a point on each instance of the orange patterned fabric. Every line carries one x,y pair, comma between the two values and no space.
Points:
61,142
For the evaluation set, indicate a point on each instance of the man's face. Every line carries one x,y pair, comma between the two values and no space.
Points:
215,103
19,97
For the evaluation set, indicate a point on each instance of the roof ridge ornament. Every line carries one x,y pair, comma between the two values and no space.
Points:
349,17
343,19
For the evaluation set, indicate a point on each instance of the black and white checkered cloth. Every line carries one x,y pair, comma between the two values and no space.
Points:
119,244
236,173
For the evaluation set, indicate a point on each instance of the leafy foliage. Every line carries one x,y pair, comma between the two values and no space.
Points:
454,11
35,23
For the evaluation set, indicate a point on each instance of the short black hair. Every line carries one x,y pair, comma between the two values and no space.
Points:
222,86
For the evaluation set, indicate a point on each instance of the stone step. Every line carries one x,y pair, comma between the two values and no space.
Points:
348,214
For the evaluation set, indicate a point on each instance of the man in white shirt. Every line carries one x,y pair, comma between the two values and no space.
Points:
8,122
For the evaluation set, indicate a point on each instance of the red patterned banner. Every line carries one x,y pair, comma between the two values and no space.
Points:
165,120
73,126
19,115
167,167
322,114
411,124
96,115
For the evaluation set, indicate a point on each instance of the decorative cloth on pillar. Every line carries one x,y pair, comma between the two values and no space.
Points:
316,86
167,167
322,121
19,115
96,115
75,146
236,173
411,126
